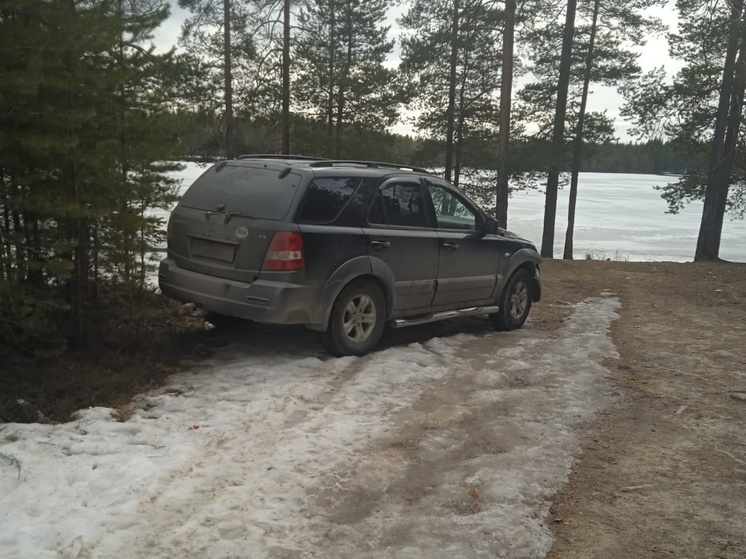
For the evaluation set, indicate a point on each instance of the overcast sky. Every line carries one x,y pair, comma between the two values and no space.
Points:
652,55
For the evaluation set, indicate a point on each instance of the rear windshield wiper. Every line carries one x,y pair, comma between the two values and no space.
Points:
229,215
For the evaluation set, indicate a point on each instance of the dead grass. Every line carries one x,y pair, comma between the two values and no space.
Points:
133,348
123,413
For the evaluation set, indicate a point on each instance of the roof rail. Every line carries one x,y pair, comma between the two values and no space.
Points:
371,164
279,156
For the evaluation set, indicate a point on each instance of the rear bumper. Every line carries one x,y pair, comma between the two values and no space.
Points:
273,302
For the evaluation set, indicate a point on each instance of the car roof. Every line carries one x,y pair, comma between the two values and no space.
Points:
361,167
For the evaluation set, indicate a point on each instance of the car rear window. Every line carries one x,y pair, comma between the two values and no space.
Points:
325,197
245,189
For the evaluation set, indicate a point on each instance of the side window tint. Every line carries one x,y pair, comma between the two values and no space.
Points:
376,210
398,204
325,198
451,212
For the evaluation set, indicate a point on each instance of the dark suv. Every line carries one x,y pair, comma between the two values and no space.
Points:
343,247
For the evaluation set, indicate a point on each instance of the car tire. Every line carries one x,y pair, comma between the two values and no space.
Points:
225,322
357,320
515,302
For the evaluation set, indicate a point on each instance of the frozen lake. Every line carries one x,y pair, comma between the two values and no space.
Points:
618,216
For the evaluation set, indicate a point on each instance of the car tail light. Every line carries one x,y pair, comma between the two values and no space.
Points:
285,252
170,226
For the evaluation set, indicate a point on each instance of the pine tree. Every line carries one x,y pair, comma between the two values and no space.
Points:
506,97
286,93
452,58
341,77
147,133
608,30
701,112
233,52
78,102
558,131
601,51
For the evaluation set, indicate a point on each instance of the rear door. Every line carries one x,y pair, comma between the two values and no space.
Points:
331,234
398,232
468,258
225,221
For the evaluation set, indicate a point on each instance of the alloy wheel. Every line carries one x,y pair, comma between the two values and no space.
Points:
518,300
359,318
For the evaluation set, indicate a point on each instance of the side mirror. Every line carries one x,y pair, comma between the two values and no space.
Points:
490,225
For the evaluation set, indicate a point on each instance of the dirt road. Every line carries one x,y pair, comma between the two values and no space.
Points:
664,472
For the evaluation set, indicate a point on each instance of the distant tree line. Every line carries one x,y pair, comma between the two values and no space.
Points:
650,157
202,140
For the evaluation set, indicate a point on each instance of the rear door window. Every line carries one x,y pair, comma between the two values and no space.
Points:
398,204
326,197
241,189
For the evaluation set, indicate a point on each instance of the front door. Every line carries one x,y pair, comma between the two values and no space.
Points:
399,233
469,258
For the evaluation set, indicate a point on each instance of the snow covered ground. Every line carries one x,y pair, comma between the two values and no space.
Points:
446,448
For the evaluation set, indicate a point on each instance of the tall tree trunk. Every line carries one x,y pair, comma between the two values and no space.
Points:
33,249
143,247
286,78
460,124
506,92
332,52
4,245
39,274
20,272
79,279
96,255
343,83
228,145
457,154
125,208
716,190
451,112
558,133
577,148
76,218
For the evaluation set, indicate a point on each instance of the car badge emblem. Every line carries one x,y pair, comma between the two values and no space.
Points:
241,232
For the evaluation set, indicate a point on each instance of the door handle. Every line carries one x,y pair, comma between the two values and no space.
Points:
450,246
380,244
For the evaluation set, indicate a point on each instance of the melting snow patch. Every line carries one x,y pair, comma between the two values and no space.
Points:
277,454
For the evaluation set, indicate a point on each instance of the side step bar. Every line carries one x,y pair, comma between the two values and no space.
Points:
404,322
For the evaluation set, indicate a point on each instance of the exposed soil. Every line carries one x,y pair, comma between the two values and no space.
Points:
664,474
134,346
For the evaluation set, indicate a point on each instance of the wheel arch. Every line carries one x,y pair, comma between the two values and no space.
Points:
523,259
533,269
362,267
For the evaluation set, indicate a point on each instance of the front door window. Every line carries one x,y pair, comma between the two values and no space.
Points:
450,212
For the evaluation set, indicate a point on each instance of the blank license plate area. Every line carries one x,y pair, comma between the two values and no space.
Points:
212,249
